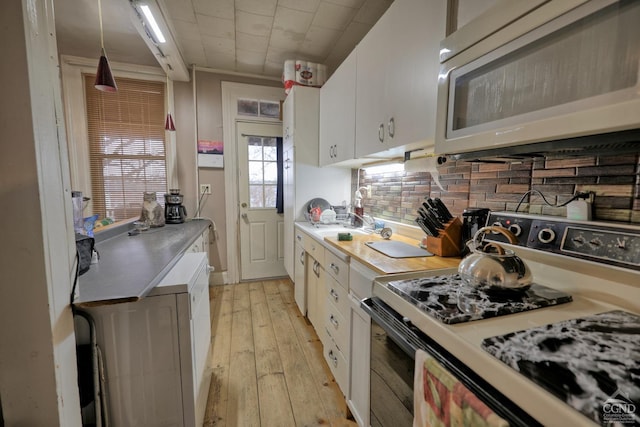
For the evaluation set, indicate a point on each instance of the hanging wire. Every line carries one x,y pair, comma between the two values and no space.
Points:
579,195
100,17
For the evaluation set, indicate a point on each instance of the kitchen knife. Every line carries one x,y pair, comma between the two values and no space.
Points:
433,225
433,216
433,208
443,209
427,229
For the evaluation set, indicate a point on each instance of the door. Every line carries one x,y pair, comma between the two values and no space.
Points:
261,227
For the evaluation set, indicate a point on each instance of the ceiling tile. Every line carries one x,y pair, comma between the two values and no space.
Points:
259,7
220,61
303,5
180,9
278,56
333,16
218,8
273,68
371,11
286,40
216,27
354,4
251,43
319,41
256,25
192,53
350,38
219,44
292,21
186,30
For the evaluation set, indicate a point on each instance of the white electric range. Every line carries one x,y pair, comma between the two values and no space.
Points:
554,361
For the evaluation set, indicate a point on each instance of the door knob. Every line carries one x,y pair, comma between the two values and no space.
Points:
244,205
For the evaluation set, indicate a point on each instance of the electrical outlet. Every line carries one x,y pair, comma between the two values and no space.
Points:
205,188
369,191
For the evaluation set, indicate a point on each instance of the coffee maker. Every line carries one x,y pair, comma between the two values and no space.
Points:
174,212
472,220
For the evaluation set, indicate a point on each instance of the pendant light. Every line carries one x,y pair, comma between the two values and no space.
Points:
104,77
168,123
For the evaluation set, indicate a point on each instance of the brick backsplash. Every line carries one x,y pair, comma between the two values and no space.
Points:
614,179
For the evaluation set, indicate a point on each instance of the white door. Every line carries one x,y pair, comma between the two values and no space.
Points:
261,227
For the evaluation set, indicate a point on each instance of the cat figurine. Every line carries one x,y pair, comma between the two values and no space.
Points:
152,212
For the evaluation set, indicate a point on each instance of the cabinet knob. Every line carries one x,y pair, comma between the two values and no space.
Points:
334,294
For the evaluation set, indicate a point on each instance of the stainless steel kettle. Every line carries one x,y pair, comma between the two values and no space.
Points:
490,266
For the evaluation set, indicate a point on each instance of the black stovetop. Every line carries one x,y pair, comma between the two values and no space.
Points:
591,363
449,300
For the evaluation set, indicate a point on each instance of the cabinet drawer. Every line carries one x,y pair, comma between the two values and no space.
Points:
338,364
314,249
337,268
337,295
337,328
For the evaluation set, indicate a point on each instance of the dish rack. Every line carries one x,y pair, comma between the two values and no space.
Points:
340,219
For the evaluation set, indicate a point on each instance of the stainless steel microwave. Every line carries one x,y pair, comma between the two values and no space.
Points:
540,71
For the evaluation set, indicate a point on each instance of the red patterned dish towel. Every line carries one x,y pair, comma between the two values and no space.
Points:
440,400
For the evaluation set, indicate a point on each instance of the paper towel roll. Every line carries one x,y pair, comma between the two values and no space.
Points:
425,164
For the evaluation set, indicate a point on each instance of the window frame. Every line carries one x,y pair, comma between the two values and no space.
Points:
72,70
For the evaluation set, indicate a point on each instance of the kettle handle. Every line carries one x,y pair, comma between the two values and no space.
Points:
493,228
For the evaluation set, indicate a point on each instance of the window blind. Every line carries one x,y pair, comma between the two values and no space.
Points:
126,146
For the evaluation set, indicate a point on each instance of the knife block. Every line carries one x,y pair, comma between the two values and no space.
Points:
449,241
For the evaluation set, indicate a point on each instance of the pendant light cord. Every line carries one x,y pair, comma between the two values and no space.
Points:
100,17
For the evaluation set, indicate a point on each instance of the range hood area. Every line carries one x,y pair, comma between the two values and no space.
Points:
623,142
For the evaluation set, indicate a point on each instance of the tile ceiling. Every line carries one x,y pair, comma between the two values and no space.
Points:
247,36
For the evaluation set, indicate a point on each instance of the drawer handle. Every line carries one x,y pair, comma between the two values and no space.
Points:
334,321
302,257
392,127
333,358
381,132
335,268
334,294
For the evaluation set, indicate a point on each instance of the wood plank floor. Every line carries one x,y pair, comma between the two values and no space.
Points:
268,368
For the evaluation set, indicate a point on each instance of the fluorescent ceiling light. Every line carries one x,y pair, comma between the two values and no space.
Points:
152,22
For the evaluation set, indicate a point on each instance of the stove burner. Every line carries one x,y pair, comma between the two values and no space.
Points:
451,301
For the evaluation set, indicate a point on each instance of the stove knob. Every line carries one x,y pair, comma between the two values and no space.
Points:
546,235
497,224
515,229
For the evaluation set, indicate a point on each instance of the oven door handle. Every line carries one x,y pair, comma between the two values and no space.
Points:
396,332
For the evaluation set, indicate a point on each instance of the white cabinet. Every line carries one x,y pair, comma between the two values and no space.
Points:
338,114
336,321
300,286
397,77
315,295
360,285
156,350
303,179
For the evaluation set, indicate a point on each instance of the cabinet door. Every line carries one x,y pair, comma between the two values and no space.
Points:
300,282
371,93
288,201
397,76
358,399
338,114
140,341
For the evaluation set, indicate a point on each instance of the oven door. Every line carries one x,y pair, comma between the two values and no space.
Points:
394,341
551,75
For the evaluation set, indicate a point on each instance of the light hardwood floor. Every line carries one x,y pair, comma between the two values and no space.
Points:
268,368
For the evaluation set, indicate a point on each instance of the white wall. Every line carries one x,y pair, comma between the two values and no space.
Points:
38,380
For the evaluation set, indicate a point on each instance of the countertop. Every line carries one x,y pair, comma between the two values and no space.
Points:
383,264
131,266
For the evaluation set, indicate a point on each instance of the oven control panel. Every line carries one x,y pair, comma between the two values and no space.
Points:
609,243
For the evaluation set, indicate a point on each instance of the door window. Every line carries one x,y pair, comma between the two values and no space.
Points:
263,172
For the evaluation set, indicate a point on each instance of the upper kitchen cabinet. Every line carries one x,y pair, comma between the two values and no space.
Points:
338,114
303,179
396,79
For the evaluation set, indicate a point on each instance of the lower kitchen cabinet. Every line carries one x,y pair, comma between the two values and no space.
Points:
156,350
315,294
360,287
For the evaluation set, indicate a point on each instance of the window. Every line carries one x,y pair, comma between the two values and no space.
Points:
263,172
126,145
